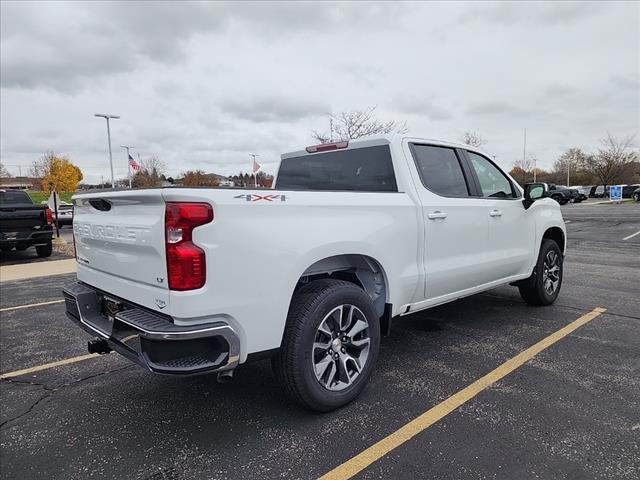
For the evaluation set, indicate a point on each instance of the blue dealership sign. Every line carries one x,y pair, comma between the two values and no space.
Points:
615,192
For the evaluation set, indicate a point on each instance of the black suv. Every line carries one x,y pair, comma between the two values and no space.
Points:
564,195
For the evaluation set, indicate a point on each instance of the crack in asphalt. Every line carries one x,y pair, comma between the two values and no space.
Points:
50,391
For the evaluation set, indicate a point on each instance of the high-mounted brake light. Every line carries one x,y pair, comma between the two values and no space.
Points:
186,262
324,147
48,215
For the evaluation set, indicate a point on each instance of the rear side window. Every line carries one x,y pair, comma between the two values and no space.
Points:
440,170
367,169
13,197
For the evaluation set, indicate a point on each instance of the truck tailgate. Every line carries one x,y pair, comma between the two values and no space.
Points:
121,234
17,218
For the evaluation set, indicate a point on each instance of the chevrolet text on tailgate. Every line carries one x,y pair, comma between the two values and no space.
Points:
193,280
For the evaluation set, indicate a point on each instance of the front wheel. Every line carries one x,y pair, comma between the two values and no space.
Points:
543,286
636,197
330,345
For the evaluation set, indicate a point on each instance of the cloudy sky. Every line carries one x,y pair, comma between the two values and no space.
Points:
202,85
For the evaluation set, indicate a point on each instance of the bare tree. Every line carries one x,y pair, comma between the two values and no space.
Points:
523,169
473,138
571,158
4,173
609,162
149,174
355,124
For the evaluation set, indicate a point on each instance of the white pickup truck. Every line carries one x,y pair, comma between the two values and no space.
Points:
310,273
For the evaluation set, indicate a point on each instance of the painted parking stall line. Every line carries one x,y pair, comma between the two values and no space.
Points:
31,305
46,366
632,235
405,433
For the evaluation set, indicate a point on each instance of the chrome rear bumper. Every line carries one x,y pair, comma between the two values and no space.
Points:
149,338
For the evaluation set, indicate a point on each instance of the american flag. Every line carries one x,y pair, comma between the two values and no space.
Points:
133,164
256,166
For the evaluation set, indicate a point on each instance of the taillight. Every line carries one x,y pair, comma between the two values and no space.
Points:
186,263
48,215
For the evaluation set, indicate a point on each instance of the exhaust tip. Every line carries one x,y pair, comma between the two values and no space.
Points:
225,376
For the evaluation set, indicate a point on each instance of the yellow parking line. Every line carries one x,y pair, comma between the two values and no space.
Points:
361,461
52,302
46,366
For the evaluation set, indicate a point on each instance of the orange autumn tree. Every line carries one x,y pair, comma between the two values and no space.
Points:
56,173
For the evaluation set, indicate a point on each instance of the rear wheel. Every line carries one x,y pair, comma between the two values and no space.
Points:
636,197
543,287
330,345
44,250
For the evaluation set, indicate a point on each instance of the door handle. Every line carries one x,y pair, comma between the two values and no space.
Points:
495,213
437,214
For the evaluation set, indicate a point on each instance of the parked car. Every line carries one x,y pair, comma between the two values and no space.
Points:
23,224
636,194
65,214
582,194
599,192
310,273
585,191
562,194
592,191
627,190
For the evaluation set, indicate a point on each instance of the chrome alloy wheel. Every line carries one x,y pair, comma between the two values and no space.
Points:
551,272
341,347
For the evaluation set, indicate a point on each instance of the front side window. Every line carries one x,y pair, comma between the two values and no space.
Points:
440,170
493,182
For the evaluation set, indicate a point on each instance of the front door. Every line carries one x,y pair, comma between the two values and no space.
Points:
511,227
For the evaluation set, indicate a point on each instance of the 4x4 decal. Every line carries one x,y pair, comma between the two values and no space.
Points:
252,197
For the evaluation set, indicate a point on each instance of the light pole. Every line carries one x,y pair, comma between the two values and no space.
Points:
127,147
106,116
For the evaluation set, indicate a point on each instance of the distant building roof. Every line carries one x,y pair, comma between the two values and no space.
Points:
18,182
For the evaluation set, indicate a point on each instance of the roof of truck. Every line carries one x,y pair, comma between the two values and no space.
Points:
374,140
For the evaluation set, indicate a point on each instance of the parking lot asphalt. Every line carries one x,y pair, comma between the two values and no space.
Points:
573,411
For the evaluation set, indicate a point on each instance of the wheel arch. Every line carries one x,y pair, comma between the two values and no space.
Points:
557,235
362,270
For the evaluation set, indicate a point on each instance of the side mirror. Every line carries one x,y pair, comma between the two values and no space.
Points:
533,192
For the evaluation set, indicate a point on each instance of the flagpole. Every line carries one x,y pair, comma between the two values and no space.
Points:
127,147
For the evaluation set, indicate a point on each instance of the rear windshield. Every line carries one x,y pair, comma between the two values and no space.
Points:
367,169
12,197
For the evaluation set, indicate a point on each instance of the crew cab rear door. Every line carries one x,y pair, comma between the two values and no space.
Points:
456,232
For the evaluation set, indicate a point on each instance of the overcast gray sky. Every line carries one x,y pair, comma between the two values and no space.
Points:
202,85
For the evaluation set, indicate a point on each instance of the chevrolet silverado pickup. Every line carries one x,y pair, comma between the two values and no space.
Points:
23,224
311,272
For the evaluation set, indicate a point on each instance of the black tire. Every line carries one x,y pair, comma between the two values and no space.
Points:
294,365
532,290
636,197
44,250
557,198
